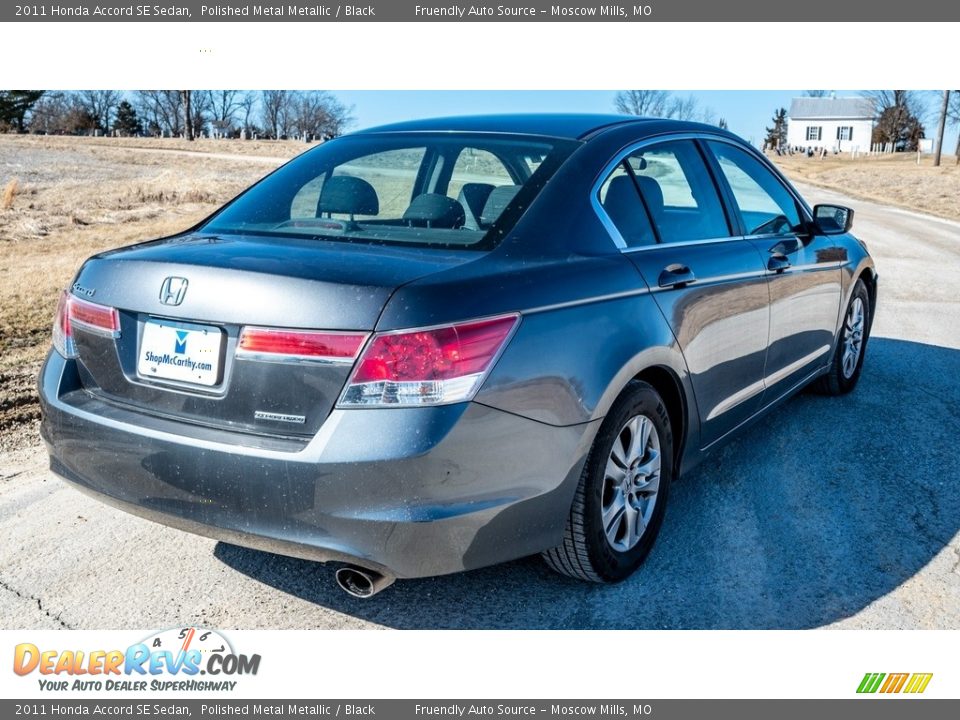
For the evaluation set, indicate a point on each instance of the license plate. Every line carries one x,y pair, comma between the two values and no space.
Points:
180,352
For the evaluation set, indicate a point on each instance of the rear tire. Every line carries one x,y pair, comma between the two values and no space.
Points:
851,345
621,497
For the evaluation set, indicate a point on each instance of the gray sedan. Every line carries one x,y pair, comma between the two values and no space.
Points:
438,345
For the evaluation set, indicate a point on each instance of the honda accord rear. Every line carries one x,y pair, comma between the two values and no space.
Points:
429,347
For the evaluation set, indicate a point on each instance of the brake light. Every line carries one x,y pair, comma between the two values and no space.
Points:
62,332
72,311
432,366
290,345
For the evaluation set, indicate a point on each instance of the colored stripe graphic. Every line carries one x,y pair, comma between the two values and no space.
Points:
918,682
894,683
870,682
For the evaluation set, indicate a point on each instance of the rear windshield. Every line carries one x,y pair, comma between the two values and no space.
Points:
428,189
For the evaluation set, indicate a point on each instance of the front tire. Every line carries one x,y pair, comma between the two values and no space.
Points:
621,497
851,345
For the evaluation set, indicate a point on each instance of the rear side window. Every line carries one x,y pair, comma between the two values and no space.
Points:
765,205
679,192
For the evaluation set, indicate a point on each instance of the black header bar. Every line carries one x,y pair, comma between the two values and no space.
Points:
827,13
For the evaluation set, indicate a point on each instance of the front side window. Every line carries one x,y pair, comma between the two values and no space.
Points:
678,192
845,132
428,189
765,205
813,132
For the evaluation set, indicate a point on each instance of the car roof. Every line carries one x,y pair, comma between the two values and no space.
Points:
573,126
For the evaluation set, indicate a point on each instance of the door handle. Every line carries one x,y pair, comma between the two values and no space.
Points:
778,263
676,276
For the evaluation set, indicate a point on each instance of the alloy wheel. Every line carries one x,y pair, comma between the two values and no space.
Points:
631,483
852,337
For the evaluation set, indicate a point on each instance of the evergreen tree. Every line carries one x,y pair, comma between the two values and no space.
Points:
777,135
15,104
127,122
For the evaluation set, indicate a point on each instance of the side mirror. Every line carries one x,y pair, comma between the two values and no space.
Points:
832,219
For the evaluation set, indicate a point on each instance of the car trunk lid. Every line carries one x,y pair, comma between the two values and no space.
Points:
184,302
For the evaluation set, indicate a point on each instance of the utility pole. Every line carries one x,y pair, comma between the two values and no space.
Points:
942,129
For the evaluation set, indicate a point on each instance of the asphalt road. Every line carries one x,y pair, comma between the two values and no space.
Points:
841,512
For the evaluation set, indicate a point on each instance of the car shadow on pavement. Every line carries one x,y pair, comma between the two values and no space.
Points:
812,515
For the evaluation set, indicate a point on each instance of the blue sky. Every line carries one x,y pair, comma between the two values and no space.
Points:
747,112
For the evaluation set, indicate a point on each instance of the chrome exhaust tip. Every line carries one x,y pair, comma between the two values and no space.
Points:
360,582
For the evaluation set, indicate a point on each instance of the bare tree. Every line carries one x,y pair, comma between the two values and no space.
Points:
277,112
318,114
953,117
186,98
650,103
162,110
60,113
100,105
941,128
224,105
50,113
247,103
200,112
816,93
688,108
660,103
898,116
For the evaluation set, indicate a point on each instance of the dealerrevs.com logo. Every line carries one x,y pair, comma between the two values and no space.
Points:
179,659
892,683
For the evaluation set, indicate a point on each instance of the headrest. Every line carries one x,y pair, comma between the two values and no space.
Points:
473,196
348,195
436,211
621,196
499,198
622,204
650,189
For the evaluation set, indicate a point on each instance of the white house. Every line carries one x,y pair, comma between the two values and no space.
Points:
844,124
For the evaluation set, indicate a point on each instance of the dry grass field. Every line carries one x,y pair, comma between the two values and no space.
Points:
63,199
888,179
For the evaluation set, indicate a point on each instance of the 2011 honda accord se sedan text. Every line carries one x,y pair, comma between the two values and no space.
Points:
443,344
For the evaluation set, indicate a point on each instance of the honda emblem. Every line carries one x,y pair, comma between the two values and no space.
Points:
173,290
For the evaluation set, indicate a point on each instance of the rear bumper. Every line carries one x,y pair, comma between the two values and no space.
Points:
407,492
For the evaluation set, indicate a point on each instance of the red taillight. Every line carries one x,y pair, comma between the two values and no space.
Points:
73,311
99,318
276,344
430,366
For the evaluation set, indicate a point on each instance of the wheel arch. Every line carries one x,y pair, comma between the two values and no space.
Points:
669,387
869,276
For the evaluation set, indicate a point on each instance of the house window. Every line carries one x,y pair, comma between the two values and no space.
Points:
814,132
845,132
